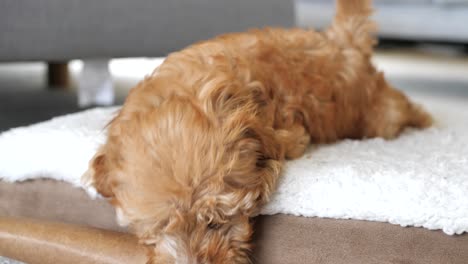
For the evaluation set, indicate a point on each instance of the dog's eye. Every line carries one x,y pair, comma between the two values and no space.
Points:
214,226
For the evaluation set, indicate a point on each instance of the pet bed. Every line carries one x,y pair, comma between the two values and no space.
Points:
279,239
419,179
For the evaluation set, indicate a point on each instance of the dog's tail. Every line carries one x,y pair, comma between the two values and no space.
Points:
352,24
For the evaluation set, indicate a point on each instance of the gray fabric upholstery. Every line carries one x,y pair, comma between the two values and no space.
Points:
58,30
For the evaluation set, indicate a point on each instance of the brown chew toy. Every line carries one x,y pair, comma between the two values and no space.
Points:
39,242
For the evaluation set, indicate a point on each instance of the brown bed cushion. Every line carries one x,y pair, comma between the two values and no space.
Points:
279,239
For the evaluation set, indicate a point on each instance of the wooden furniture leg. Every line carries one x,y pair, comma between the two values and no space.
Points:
58,75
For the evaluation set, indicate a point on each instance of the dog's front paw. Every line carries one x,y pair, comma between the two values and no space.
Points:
295,141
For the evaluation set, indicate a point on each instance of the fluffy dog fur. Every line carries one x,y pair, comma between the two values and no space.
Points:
198,146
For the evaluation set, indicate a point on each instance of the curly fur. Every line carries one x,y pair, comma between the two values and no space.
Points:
198,146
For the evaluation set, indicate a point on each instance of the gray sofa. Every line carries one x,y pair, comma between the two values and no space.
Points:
415,20
56,30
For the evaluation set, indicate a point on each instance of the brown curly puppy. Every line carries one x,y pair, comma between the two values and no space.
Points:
198,146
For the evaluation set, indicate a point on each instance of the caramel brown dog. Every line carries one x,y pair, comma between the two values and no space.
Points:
198,146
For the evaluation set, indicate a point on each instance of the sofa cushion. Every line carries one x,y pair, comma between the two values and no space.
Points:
73,29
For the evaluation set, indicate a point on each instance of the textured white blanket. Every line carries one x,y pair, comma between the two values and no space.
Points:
419,179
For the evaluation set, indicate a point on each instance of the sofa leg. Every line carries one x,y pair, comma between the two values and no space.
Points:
58,75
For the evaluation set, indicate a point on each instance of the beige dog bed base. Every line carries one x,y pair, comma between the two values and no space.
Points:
279,239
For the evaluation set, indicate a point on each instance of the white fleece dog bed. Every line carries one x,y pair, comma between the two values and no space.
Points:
419,179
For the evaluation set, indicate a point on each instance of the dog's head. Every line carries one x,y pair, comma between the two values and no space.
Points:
202,234
187,182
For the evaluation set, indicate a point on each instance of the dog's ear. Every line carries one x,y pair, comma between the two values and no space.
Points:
97,175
